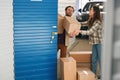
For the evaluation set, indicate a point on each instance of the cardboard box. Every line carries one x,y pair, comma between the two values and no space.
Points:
83,69
84,65
60,24
70,24
68,68
58,69
67,39
81,56
85,74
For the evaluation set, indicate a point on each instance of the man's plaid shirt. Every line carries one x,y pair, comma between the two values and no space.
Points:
95,32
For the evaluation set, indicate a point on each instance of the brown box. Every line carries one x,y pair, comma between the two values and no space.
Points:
67,39
85,74
81,56
84,65
60,24
70,24
68,68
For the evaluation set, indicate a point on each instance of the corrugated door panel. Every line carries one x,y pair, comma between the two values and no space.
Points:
35,58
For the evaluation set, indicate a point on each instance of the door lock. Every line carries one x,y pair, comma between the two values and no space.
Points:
53,36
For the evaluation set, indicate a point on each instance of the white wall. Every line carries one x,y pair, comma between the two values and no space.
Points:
99,0
82,3
6,40
63,3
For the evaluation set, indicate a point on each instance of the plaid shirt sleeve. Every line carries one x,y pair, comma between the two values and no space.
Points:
93,29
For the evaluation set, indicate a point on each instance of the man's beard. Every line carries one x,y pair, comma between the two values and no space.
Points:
68,15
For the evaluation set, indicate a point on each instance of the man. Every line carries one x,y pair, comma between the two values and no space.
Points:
69,10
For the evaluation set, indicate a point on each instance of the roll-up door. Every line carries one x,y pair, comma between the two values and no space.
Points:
35,39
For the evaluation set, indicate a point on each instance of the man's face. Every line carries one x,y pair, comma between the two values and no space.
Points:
69,11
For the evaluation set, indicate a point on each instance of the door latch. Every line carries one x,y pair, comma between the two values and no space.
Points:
53,36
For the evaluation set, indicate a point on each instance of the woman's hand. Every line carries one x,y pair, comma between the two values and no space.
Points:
74,33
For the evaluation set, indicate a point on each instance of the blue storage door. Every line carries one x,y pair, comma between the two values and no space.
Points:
35,21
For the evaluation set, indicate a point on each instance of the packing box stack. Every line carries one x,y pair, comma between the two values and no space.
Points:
70,24
60,24
83,65
85,74
81,56
68,68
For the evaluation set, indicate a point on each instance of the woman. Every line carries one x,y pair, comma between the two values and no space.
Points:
95,35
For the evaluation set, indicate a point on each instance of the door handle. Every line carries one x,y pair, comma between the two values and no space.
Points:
54,33
53,36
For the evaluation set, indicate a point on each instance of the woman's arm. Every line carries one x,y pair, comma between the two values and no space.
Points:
94,28
84,23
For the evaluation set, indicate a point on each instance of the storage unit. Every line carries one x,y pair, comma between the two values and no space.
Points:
35,39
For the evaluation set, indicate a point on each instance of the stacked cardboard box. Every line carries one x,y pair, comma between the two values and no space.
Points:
81,56
70,24
85,74
68,68
60,24
58,69
83,65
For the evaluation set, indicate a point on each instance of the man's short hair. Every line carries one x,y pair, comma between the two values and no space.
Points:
69,7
